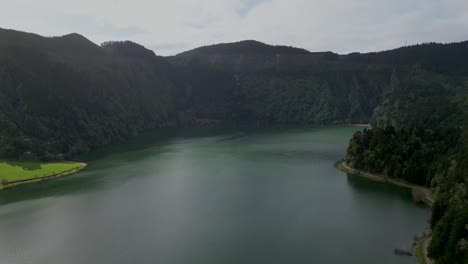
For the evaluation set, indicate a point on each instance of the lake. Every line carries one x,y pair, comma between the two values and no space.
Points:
239,196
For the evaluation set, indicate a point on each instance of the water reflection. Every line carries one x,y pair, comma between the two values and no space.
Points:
384,190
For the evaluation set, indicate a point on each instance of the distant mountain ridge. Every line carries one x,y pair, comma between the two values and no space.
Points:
245,47
128,48
441,58
100,94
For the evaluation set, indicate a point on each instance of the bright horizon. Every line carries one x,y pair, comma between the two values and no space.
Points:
169,28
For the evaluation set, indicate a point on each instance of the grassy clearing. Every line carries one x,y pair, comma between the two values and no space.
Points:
16,171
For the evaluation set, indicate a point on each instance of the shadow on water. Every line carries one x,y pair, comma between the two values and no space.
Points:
141,143
369,187
130,152
91,178
57,187
147,142
298,155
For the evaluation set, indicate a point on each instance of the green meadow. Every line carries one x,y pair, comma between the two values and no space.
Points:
13,171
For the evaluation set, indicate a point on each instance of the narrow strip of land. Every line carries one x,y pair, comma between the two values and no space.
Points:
16,173
425,247
422,250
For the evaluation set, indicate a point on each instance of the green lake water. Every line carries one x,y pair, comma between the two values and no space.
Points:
265,196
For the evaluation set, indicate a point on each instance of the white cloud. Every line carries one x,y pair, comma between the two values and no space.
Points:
173,26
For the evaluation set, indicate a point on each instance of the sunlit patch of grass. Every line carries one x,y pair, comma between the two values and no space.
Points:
11,171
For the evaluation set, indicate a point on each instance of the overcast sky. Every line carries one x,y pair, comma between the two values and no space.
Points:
172,26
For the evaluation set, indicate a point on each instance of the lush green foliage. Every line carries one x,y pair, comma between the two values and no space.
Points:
419,97
450,214
408,153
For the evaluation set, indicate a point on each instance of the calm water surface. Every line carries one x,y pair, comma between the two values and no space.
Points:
270,196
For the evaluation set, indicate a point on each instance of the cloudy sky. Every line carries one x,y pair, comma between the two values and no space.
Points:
171,26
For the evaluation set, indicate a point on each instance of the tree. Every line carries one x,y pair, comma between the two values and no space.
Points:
4,183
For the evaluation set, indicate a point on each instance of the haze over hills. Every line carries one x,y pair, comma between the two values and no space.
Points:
63,96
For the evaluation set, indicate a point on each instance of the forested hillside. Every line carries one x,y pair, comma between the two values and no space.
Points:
252,81
255,82
65,95
420,135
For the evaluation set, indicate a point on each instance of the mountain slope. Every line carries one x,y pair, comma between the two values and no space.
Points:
66,94
278,84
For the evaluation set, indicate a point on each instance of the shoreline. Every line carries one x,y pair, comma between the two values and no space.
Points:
421,249
45,178
426,198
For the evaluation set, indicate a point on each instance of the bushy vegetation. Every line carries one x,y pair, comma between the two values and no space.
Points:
408,153
450,213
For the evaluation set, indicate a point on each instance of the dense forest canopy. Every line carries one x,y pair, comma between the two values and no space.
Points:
63,96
